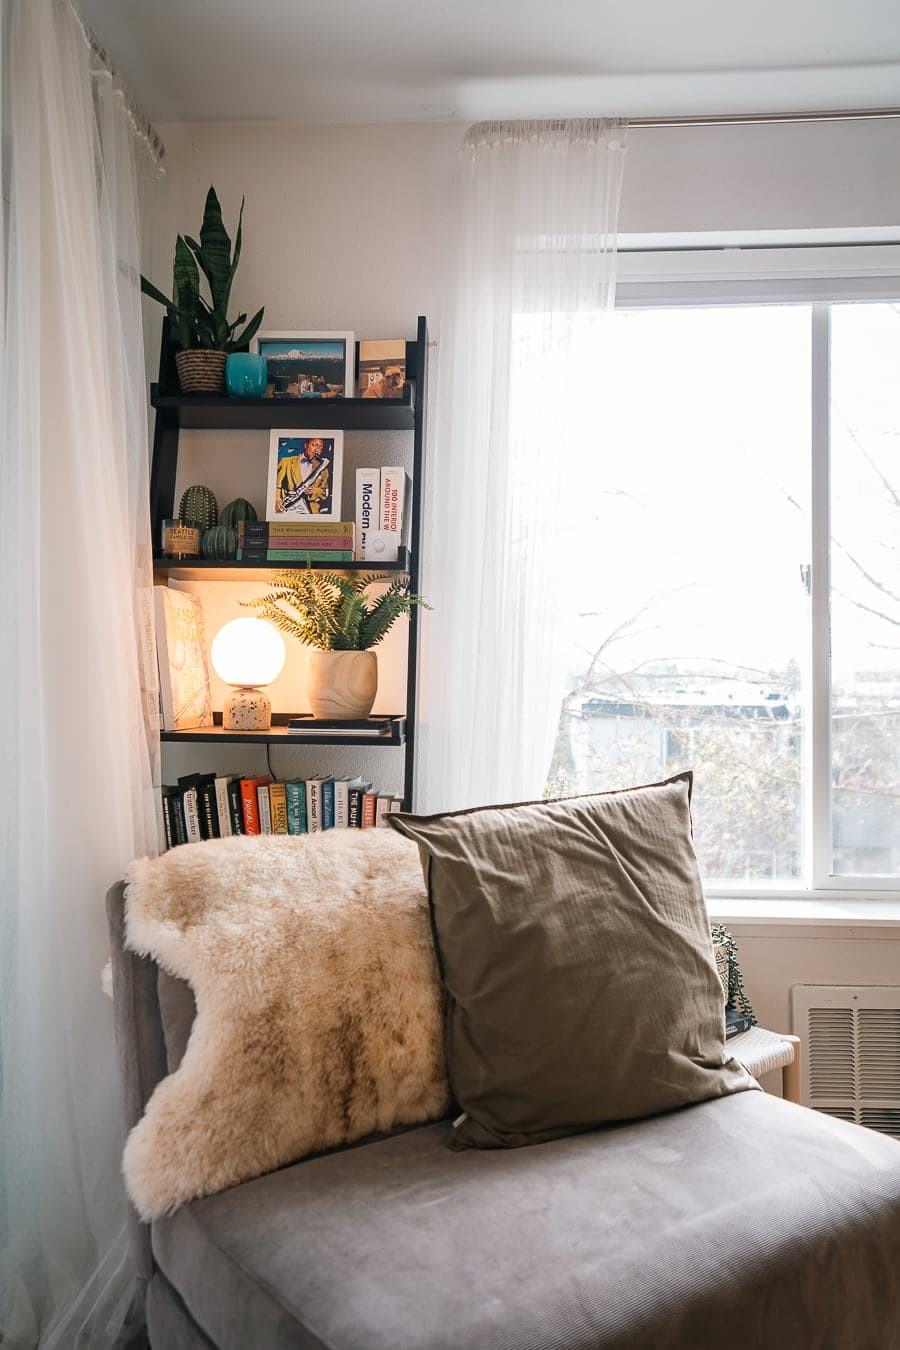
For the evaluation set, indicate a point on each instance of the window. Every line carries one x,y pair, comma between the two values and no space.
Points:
744,465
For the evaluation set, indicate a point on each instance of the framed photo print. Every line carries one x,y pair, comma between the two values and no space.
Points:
382,368
307,365
305,472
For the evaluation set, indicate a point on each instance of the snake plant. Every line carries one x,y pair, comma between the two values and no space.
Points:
197,322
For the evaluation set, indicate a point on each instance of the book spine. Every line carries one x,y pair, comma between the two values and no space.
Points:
235,808
191,815
294,555
295,797
268,529
313,805
354,807
222,809
368,513
206,809
382,807
250,806
265,811
304,542
179,824
393,493
278,808
328,804
341,796
165,797
368,810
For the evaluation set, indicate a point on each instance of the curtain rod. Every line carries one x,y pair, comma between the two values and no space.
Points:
140,122
765,119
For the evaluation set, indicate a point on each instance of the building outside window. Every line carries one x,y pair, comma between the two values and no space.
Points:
737,605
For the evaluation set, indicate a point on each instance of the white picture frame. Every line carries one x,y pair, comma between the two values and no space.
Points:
294,490
288,346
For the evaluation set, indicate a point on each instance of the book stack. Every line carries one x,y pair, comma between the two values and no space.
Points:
204,806
380,501
736,1022
297,541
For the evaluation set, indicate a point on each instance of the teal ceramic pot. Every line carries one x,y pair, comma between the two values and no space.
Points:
245,375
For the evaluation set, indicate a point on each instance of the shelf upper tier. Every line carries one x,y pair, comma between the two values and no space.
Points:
262,414
205,569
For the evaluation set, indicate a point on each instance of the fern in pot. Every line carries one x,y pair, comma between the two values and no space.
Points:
335,617
204,334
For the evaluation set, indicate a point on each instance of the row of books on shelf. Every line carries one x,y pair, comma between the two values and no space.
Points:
295,541
207,806
380,502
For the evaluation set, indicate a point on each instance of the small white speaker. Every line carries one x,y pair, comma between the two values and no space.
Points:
382,546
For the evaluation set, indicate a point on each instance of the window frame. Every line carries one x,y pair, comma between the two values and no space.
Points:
817,276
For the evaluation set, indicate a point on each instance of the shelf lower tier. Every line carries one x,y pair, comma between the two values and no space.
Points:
205,569
278,734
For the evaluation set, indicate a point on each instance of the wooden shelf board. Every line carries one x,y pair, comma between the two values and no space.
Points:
262,414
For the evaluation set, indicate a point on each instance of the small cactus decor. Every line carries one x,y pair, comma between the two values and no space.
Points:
219,542
236,511
199,505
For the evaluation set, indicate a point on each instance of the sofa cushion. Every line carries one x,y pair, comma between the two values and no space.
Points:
743,1222
574,943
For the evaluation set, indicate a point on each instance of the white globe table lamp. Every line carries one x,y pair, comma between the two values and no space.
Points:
247,653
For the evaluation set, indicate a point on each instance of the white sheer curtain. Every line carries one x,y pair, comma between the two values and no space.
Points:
536,272
78,757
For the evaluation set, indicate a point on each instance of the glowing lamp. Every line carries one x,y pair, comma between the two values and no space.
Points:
247,653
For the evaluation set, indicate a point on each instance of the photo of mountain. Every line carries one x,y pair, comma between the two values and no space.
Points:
307,367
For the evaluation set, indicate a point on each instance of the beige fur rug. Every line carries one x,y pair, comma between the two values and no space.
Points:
319,1015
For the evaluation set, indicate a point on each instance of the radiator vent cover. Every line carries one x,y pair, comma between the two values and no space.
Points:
851,1060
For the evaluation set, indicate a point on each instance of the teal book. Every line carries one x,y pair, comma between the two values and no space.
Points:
294,555
296,806
328,804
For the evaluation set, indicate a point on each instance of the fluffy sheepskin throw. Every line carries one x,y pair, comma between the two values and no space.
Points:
319,1016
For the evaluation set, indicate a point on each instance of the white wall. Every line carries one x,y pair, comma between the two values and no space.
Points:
351,227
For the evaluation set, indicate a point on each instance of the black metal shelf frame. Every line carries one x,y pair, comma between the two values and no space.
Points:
176,412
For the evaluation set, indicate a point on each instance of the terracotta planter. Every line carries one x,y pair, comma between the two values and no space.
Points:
341,684
201,371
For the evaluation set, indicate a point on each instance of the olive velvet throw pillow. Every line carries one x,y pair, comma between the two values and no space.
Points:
573,941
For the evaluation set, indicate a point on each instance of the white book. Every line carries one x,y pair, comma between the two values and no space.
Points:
223,808
392,491
265,810
367,507
383,804
313,805
341,803
191,815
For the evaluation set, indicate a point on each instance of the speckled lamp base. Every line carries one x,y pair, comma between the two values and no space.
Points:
247,710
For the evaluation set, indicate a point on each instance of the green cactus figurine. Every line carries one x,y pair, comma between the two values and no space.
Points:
238,510
199,505
219,542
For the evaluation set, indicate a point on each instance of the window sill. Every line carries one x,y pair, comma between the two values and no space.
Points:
845,911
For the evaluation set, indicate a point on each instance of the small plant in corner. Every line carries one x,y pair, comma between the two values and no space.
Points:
335,617
200,327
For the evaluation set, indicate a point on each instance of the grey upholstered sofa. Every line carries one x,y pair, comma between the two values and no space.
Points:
745,1223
